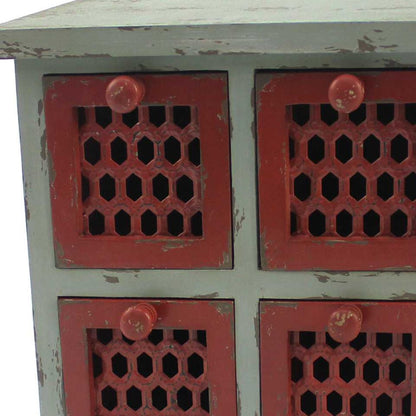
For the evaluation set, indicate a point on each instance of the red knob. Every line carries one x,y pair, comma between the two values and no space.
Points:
124,94
345,323
137,322
346,93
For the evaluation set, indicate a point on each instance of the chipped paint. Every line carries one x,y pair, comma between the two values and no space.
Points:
43,146
322,278
365,46
403,296
238,220
208,52
179,51
111,279
41,374
224,308
207,295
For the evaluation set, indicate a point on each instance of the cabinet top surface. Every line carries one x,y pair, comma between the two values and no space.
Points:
139,13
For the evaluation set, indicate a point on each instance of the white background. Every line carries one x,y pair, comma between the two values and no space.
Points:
18,379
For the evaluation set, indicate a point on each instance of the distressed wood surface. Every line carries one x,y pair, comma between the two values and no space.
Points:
99,28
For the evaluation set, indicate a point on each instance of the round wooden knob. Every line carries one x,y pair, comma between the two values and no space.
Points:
345,323
124,94
137,322
346,93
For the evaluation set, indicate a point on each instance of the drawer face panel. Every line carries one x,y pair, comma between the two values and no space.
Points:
337,190
145,189
186,364
304,371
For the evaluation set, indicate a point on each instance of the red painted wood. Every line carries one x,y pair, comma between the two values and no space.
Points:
74,246
282,324
80,316
301,251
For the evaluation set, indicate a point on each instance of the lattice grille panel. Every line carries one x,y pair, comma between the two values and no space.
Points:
369,376
166,373
141,171
352,175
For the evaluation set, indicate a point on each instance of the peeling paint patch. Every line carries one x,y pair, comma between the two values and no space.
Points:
180,51
111,279
238,220
41,375
207,295
208,52
43,146
321,278
403,296
224,308
365,45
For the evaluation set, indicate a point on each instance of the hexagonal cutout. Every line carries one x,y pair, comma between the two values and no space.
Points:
410,186
358,405
328,114
156,336
181,115
196,224
204,398
321,369
384,340
119,365
406,403
358,186
399,148
334,403
184,398
145,150
398,223
292,148
104,335
144,365
170,365
96,223
109,398
134,398
103,116
347,369
343,149
371,372
331,342
97,365
159,398
384,405
371,148
308,403
194,152
118,150
172,150
385,186
344,223
131,119
134,187
330,186
300,114
317,225
359,342
181,336
175,223
385,113
359,115
296,369
122,223
307,339
184,188
157,115
371,223
195,365
92,151
148,223
302,187
107,187
407,341
410,112
316,149
160,187
397,372
293,223
201,337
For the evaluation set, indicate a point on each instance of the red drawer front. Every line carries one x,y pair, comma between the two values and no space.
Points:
186,364
146,189
337,190
304,371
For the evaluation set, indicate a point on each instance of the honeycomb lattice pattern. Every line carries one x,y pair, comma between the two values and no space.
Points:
353,175
369,376
141,171
165,373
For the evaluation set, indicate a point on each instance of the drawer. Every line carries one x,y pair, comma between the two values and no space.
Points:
186,363
368,371
336,190
145,189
